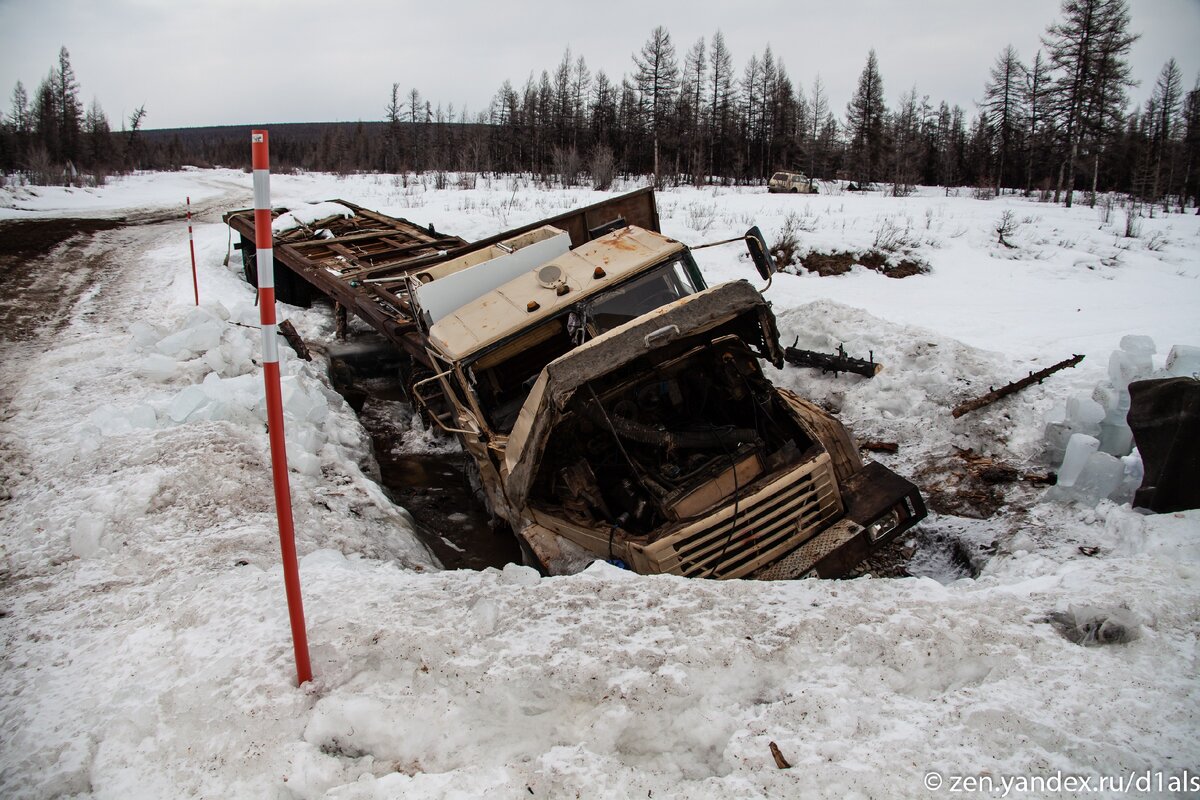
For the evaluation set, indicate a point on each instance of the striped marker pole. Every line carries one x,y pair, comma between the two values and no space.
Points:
270,342
192,247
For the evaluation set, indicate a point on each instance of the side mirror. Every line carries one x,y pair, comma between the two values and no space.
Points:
760,253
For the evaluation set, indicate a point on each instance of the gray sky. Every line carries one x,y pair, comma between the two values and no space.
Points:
213,62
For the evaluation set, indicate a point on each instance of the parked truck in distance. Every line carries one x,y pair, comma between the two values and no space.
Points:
614,407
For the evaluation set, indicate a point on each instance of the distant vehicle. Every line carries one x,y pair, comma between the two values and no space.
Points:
791,182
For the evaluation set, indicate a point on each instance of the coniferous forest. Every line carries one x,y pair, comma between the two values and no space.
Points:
1058,123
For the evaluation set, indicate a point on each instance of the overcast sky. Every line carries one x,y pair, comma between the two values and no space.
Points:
215,62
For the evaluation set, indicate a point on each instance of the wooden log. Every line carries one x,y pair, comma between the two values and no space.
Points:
879,447
832,362
288,331
1014,387
780,761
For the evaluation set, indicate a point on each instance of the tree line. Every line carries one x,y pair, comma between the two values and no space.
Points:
1056,124
51,138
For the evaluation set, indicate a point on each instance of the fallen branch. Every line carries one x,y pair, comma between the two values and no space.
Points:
831,362
879,447
1012,388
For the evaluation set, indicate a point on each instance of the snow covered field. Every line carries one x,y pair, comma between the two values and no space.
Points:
145,643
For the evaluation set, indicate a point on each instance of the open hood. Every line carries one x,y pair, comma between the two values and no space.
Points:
735,305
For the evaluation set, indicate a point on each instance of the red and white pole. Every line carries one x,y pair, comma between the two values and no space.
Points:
192,247
270,341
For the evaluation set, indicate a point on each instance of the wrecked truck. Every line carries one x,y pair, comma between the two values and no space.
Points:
614,406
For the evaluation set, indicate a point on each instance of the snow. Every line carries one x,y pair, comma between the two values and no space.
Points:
145,639
306,214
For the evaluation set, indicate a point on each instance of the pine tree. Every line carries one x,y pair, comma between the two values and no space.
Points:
70,110
20,125
865,123
604,109
47,124
98,135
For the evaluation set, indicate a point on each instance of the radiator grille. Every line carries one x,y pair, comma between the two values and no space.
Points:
768,524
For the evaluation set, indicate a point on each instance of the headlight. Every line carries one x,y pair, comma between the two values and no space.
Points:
883,526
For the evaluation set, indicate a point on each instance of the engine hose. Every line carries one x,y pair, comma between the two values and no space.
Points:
681,440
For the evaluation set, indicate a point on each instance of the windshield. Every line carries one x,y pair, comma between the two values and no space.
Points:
503,375
663,285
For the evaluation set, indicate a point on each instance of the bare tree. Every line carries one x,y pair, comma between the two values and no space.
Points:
1087,50
817,112
692,107
562,109
1191,148
1001,105
391,142
581,79
133,141
721,100
751,109
657,77
1165,102
906,144
1035,112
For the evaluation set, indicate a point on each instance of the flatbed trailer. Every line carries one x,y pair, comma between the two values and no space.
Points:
364,262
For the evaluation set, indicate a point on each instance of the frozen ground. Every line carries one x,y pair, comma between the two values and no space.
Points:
145,643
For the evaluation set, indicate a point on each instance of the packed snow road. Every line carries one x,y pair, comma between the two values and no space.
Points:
145,642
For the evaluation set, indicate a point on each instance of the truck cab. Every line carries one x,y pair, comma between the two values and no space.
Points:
615,407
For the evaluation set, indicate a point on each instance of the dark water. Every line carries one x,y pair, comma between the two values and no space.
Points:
432,486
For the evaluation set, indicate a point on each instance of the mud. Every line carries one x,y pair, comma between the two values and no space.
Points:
841,262
44,270
422,471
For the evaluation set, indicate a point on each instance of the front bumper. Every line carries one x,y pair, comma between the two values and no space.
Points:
880,506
